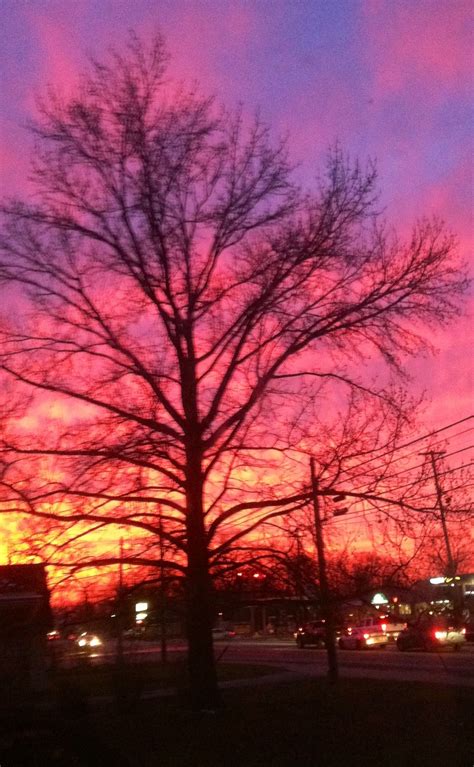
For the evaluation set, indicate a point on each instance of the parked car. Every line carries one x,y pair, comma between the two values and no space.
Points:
222,633
432,633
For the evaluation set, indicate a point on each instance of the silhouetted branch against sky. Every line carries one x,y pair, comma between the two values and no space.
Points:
177,278
177,285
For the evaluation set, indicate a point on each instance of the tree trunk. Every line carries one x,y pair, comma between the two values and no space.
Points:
204,692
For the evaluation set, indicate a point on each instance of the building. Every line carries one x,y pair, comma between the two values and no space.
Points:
25,619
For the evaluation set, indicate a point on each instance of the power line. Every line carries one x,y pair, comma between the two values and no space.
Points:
354,514
417,466
455,452
252,517
405,457
411,442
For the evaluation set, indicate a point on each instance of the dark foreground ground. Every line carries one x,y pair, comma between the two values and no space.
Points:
302,723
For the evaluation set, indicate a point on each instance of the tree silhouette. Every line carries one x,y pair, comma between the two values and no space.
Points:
178,296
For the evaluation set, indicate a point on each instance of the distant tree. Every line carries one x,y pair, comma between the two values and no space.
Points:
179,297
355,577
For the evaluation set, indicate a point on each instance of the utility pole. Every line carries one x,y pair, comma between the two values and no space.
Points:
451,566
163,641
439,495
119,610
325,594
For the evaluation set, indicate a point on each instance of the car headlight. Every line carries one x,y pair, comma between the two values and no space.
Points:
441,634
95,642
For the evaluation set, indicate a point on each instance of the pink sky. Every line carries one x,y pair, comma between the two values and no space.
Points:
390,80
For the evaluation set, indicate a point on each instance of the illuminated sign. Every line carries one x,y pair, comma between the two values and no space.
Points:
441,579
379,599
141,611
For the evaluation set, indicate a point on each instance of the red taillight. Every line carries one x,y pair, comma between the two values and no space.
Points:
384,627
366,636
463,631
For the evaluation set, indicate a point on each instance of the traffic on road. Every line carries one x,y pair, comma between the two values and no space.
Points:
439,665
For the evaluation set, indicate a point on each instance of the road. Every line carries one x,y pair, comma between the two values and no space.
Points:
444,667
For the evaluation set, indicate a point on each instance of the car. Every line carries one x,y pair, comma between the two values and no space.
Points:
86,642
369,633
432,633
135,632
222,633
312,633
470,632
373,631
391,626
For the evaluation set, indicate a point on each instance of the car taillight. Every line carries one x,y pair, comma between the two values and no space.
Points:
463,631
384,627
441,634
366,636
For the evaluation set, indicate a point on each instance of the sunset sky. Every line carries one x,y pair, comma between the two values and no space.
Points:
390,80
387,79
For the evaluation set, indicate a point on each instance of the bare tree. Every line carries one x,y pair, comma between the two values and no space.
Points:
178,294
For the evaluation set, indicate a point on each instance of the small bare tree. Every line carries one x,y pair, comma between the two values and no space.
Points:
178,293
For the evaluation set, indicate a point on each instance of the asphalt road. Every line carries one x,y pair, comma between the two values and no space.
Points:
445,667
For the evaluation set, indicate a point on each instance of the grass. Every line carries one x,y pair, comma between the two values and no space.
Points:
136,678
362,723
306,724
